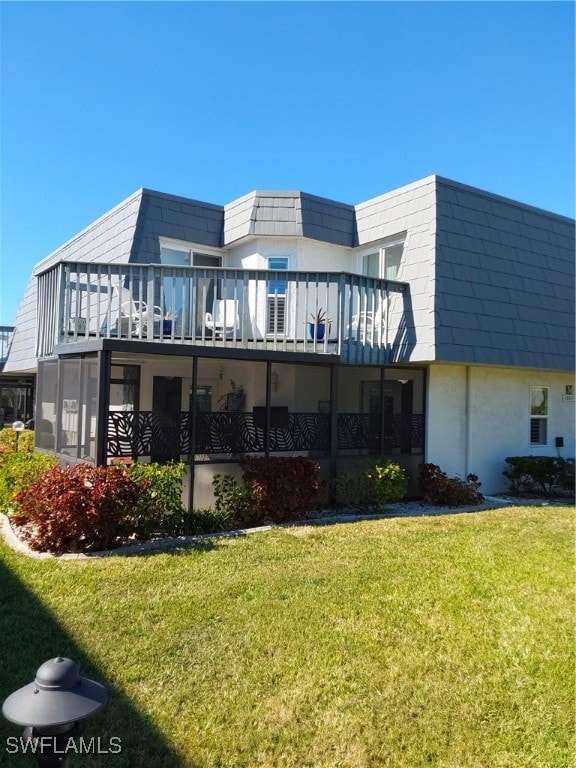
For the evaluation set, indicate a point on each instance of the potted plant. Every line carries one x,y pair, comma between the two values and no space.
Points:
167,323
235,399
317,328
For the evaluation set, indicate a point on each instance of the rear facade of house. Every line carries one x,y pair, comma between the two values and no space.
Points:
434,323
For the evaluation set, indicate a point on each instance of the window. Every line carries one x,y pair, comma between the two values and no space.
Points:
125,388
392,257
538,415
276,315
204,398
181,292
371,264
385,262
186,256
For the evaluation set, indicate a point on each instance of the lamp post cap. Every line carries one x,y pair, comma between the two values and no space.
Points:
58,695
18,426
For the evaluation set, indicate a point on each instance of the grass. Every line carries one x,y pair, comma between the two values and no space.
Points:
440,641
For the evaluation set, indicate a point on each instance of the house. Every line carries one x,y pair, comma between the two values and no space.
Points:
171,328
16,392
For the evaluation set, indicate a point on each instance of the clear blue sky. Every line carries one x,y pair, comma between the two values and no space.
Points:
345,100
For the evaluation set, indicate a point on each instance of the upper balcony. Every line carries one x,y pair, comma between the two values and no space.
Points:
364,317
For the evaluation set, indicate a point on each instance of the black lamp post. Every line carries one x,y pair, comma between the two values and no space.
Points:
18,426
52,707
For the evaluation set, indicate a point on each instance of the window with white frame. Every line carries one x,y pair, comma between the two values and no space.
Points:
384,262
538,415
276,305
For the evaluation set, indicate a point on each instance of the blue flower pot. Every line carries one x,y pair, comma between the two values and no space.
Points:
316,331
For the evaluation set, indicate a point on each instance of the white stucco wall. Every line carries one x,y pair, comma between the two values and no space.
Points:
303,254
479,415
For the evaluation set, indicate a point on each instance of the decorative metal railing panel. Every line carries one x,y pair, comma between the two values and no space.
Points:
227,432
220,307
246,433
405,431
303,432
146,433
358,430
150,433
361,431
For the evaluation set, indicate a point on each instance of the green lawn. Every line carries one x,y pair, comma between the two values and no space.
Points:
440,641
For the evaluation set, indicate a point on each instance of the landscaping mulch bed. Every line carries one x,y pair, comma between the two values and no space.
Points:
411,508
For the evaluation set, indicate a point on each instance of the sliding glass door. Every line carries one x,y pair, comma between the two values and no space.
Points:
186,299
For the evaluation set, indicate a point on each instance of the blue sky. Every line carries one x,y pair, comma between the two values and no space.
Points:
346,100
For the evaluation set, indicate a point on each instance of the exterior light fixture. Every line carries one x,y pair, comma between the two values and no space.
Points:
52,707
403,381
18,426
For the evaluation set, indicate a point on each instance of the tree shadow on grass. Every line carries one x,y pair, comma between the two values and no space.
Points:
30,635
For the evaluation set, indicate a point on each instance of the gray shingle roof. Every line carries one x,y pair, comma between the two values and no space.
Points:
491,279
290,214
504,281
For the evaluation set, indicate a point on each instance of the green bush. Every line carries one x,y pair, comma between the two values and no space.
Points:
18,471
235,504
159,509
567,475
201,521
390,482
8,441
370,486
540,474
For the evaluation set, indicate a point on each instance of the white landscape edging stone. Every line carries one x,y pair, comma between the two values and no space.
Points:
399,510
414,509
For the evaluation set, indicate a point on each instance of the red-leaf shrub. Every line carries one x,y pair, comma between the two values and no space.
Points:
283,488
79,508
438,488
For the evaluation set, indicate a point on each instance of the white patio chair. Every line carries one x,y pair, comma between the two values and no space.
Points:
131,314
134,314
223,319
367,327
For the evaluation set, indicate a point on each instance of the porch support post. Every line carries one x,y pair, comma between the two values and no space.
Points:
382,414
58,409
333,464
80,440
268,401
192,408
104,374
